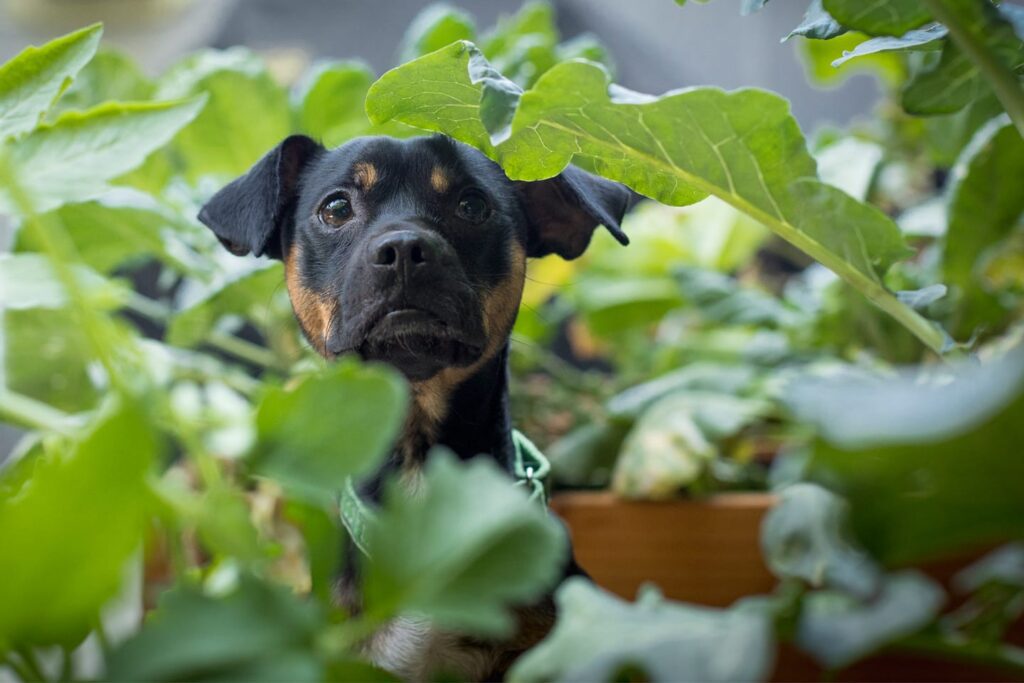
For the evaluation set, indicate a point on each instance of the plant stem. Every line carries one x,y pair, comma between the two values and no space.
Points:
31,663
27,412
970,37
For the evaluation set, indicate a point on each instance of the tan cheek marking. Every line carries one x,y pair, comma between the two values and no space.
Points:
314,312
365,175
439,179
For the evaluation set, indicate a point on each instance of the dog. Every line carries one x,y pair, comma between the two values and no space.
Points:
413,252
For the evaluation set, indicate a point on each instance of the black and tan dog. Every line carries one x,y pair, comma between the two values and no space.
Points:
414,253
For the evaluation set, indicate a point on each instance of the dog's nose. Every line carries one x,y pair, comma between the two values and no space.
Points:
404,250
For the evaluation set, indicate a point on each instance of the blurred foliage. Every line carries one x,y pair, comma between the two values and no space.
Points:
175,417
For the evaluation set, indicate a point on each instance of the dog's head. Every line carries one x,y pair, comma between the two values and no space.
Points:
408,251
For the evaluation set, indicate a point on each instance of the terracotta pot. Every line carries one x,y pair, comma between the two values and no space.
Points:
708,552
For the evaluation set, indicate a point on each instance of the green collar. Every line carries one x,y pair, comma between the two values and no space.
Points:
530,469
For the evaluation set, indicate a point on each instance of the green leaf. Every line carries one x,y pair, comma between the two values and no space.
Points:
915,39
598,635
722,299
227,138
817,24
73,158
743,147
247,290
118,229
110,75
836,631
310,455
330,102
702,376
464,552
984,206
33,80
806,536
914,457
70,528
436,26
878,17
825,65
256,632
28,281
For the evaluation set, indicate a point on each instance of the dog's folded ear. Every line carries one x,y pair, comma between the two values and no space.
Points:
247,214
564,211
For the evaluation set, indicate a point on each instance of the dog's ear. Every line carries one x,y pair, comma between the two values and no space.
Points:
564,211
247,214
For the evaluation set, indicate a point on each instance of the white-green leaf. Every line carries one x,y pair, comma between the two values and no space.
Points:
73,158
32,81
598,635
28,281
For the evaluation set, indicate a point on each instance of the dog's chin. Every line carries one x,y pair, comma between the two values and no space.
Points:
418,344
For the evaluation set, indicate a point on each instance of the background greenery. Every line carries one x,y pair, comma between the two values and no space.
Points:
751,337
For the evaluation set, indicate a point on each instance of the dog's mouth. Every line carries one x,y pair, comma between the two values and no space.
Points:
418,342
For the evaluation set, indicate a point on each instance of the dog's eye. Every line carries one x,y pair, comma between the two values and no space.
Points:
335,210
473,206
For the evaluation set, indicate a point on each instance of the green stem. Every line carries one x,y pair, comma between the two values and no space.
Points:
970,38
27,412
31,663
1009,658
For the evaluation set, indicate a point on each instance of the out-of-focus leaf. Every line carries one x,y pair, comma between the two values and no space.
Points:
73,158
984,205
56,575
257,632
323,536
584,457
721,299
928,467
464,552
309,447
916,39
108,76
825,65
28,281
247,292
837,630
702,376
434,27
817,24
850,165
330,102
610,305
806,536
227,138
922,298
116,229
1004,565
879,17
597,635
31,81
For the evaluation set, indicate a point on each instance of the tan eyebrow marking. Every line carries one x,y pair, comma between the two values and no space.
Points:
439,179
365,175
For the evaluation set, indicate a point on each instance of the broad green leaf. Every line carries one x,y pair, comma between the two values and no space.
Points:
334,425
73,158
28,281
32,81
598,635
825,65
227,137
806,536
878,17
837,630
110,75
434,27
464,552
117,229
585,457
742,146
927,38
535,19
817,24
984,206
247,291
69,529
929,467
955,80
256,632
721,299
330,102
705,376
